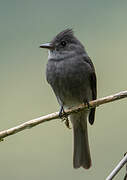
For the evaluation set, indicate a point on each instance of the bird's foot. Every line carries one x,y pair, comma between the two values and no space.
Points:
67,123
64,117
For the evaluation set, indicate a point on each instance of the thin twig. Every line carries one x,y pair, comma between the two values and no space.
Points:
49,117
125,177
117,168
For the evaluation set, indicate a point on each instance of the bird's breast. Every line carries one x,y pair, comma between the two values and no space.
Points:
68,79
71,71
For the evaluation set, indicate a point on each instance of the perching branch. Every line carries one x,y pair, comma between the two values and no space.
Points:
36,121
117,168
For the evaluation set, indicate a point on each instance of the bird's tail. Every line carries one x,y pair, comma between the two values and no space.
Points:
81,156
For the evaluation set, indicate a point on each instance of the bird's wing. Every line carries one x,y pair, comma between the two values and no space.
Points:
93,84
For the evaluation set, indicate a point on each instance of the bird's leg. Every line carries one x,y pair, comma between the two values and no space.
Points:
61,112
64,117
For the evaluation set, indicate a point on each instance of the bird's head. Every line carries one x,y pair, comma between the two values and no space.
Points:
63,45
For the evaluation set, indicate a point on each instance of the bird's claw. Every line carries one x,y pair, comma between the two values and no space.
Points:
67,123
64,117
87,103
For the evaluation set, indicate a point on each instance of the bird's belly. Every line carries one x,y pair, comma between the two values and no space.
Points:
72,96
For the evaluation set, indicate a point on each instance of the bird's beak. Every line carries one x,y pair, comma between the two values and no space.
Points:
47,46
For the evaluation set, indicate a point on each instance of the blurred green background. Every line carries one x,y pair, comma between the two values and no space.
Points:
45,152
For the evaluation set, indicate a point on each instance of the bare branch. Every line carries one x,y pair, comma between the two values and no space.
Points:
36,121
125,177
117,168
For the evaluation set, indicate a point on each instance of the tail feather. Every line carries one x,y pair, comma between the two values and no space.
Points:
81,156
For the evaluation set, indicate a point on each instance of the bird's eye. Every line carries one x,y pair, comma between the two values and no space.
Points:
63,43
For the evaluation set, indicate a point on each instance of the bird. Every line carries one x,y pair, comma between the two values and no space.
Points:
71,74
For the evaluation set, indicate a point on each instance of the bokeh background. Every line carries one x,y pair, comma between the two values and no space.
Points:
45,152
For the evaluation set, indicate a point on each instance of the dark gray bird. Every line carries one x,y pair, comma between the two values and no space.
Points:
71,74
